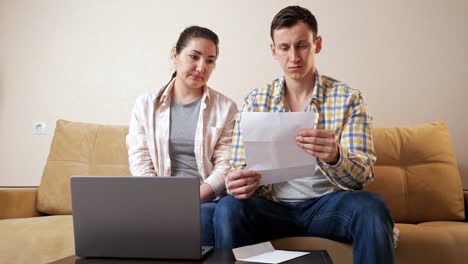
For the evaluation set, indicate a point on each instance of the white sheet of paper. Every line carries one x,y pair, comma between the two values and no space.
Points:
276,256
285,174
252,250
270,144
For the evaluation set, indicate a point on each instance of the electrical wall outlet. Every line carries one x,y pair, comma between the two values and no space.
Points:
39,127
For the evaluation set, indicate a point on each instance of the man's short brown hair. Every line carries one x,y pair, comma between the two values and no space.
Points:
290,16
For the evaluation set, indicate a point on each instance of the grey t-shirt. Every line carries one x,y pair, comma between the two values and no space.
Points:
305,188
182,130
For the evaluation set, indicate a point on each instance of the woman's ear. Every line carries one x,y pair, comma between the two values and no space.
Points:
174,56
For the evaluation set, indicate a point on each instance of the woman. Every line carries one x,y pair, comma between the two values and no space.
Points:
186,127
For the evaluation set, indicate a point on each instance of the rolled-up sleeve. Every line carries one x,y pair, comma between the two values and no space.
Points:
221,154
355,167
139,157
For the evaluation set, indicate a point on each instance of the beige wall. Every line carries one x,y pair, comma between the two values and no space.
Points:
88,60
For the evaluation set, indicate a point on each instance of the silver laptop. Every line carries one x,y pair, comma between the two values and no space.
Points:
137,217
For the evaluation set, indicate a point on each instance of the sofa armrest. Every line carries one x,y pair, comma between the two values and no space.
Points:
18,202
465,193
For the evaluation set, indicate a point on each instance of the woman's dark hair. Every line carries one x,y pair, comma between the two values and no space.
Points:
290,16
194,32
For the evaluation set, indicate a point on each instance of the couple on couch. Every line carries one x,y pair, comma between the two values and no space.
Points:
187,128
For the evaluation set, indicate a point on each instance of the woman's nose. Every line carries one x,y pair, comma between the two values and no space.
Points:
201,65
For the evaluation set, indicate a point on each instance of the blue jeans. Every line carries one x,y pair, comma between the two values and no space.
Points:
359,217
207,232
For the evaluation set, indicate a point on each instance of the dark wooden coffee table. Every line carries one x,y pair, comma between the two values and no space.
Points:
218,256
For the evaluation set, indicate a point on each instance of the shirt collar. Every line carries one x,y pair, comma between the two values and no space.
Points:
317,94
165,93
278,90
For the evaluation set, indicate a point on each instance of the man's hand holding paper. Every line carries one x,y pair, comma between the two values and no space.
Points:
242,183
319,143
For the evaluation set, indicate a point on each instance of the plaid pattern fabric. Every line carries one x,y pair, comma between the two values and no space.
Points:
341,109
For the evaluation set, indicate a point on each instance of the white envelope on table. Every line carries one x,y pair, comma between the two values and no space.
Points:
265,253
270,144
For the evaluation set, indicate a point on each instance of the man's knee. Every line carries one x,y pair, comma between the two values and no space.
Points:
229,208
371,204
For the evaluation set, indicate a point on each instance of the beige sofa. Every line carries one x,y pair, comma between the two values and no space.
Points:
416,173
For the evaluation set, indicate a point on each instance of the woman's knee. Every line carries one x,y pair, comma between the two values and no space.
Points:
207,210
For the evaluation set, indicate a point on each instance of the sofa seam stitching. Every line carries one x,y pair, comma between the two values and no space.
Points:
405,179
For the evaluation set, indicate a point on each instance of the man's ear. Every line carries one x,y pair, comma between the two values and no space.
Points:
273,50
318,44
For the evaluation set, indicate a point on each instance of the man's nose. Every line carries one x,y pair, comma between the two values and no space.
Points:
294,55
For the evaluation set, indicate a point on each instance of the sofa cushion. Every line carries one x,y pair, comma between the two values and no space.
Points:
447,239
36,239
417,174
17,202
80,149
441,242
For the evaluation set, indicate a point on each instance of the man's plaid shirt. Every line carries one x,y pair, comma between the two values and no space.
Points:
341,109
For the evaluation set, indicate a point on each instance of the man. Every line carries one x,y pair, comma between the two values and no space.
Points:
329,203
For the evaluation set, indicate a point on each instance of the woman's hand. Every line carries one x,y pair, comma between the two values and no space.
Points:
206,193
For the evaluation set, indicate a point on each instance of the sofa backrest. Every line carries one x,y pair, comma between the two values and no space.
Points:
80,149
416,170
417,173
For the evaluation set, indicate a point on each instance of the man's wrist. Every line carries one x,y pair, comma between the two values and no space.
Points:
338,161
